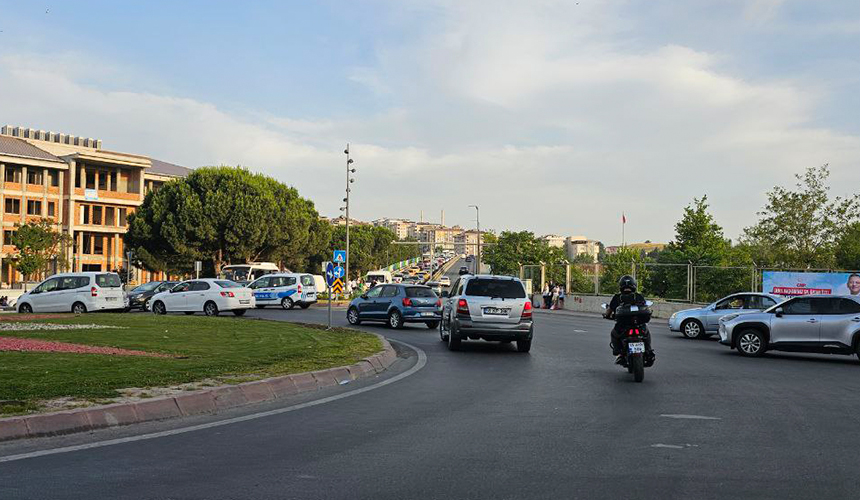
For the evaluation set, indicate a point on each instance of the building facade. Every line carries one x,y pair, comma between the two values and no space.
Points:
576,246
85,191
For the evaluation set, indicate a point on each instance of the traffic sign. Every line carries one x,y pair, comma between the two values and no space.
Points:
337,286
329,274
339,272
339,256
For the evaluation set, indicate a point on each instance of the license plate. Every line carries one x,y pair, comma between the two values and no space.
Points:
636,347
109,299
634,308
496,311
428,314
244,301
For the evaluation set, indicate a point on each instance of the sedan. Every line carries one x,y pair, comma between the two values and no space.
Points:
210,296
396,305
705,321
140,295
445,281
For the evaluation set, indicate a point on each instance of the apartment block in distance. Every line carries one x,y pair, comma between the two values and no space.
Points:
86,191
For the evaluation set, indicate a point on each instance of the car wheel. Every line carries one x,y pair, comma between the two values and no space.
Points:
751,343
524,345
189,313
158,308
239,312
432,325
25,309
352,316
287,303
453,339
304,306
692,329
79,308
444,337
210,309
395,319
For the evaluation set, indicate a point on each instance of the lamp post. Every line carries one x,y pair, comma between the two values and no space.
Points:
349,180
478,222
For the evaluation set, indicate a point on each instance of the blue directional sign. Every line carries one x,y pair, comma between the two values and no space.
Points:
339,256
329,274
339,272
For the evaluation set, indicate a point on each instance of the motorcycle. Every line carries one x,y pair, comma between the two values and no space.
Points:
634,320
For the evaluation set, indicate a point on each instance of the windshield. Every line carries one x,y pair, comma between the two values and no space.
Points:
502,288
236,273
147,287
228,284
108,280
419,292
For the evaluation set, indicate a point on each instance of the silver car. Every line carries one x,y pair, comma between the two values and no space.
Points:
487,307
705,321
814,323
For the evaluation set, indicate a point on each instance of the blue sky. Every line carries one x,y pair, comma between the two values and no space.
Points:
540,111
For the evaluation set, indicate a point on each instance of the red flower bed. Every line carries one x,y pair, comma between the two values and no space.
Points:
18,344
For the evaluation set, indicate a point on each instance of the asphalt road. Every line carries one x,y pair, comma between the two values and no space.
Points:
487,422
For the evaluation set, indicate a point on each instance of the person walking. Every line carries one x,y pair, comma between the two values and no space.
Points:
554,297
546,296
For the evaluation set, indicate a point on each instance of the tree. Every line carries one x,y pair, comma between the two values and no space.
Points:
799,228
620,263
847,252
37,244
370,248
513,249
223,215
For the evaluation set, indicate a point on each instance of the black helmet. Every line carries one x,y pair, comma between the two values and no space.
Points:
627,283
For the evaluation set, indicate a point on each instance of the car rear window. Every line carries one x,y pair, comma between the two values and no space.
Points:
505,289
419,292
228,284
108,281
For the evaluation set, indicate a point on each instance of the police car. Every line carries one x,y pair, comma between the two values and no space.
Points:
284,289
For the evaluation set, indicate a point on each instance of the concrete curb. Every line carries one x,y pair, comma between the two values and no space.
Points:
193,403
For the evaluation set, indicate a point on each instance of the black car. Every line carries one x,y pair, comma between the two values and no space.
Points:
463,270
140,295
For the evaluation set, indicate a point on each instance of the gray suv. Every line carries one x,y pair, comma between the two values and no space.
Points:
704,321
487,307
814,323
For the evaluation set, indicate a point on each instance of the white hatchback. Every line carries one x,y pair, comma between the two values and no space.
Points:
75,292
210,296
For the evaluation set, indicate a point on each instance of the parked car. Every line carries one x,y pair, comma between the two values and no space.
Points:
246,273
487,307
140,295
396,305
210,296
75,292
703,322
285,289
814,323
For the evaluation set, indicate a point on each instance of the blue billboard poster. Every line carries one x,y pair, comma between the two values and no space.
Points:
792,284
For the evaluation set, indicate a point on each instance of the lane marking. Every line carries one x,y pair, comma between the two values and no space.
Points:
581,331
422,360
672,446
690,417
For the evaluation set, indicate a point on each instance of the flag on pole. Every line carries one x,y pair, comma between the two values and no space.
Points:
623,218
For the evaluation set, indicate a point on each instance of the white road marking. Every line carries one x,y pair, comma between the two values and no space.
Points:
422,360
690,417
672,446
581,331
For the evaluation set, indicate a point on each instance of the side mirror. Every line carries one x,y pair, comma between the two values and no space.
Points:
779,312
446,294
364,296
649,303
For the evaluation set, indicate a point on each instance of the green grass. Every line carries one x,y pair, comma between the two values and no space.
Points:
209,347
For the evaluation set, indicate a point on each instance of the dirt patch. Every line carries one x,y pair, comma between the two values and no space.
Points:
30,317
34,345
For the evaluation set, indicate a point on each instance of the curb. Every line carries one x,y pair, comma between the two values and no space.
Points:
193,403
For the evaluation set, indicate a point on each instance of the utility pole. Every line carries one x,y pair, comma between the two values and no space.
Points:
349,180
478,223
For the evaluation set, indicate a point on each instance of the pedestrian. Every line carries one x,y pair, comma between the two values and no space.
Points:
561,294
554,297
546,296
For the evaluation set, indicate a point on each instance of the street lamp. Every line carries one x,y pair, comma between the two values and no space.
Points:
349,180
478,221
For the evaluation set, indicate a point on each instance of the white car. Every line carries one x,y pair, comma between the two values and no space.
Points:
445,281
210,296
285,289
75,292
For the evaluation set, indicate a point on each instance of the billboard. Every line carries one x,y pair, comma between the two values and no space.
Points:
792,284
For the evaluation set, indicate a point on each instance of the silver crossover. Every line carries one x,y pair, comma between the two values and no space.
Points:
814,323
705,321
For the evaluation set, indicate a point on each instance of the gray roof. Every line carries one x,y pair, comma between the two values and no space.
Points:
164,168
13,146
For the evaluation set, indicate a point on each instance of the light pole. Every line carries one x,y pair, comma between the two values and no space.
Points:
349,180
478,222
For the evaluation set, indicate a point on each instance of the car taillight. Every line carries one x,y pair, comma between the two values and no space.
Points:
527,311
407,302
463,307
94,291
438,302
227,294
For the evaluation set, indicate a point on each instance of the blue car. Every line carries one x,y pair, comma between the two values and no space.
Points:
396,305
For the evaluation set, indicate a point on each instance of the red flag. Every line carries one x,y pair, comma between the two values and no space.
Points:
623,218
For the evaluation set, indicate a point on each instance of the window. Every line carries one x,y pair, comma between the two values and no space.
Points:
261,283
103,180
759,302
228,284
419,292
85,213
122,217
91,179
13,174
97,215
798,306
7,236
13,206
53,178
72,282
48,286
35,176
88,245
52,209
98,244
282,281
736,302
307,280
167,285
109,218
844,306
34,207
80,173
91,268
374,292
113,181
389,291
182,287
502,288
110,280
199,286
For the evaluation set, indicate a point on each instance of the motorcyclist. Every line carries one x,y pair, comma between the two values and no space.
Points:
627,295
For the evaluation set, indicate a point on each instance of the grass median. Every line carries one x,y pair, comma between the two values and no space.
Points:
197,348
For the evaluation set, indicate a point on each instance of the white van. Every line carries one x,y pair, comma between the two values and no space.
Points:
75,292
285,289
379,277
245,273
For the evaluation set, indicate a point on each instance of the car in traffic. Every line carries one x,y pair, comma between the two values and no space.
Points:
209,296
702,322
827,324
75,292
396,305
445,281
285,289
487,307
140,295
463,270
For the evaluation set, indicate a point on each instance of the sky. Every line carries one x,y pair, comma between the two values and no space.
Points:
551,116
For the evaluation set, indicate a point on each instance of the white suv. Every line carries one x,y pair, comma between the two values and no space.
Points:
75,292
